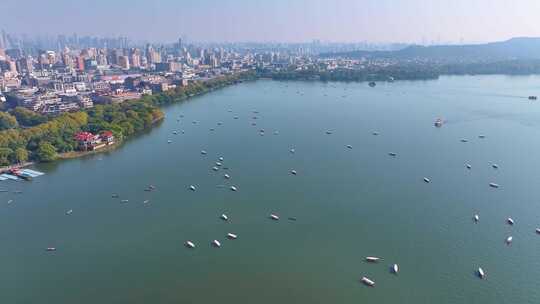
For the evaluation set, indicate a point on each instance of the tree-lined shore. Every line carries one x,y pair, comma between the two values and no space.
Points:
28,136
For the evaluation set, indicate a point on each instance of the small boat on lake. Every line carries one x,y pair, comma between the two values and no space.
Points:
532,97
232,236
328,132
169,141
476,217
481,273
375,133
224,217
509,240
220,159
464,140
495,166
468,166
192,188
274,217
50,249
392,154
438,122
349,146
227,176
233,188
372,259
203,152
190,244
538,230
372,84
216,243
427,180
481,136
494,185
395,268
124,201
70,211
215,168
367,281
293,172
510,221
292,151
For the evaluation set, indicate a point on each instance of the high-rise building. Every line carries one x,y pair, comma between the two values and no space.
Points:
25,65
123,62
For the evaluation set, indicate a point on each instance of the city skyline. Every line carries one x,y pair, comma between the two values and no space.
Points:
385,21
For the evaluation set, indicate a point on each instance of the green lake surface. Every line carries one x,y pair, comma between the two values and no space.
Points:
348,203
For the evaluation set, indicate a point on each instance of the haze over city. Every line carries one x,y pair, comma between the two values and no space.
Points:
412,21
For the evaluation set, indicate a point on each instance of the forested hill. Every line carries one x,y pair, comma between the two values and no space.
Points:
524,48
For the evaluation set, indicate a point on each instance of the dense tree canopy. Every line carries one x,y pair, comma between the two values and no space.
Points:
7,121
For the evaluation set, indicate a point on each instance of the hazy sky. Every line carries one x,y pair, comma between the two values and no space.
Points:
278,20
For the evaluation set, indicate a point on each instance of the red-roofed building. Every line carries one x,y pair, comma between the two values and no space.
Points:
89,142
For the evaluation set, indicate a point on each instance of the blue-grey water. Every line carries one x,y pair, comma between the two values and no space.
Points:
348,203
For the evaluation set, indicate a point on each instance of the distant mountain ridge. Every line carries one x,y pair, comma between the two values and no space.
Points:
522,48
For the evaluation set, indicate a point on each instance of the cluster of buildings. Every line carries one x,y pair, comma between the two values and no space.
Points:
69,79
63,74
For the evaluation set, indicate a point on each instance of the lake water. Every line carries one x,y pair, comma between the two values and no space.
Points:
348,203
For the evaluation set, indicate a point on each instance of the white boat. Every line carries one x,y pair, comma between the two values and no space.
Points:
292,150
510,221
203,152
169,141
227,176
190,244
216,243
218,164
509,240
427,180
395,268
146,201
372,259
293,172
124,201
349,146
468,166
274,217
220,159
232,236
215,168
538,230
494,185
233,188
481,273
476,218
224,217
175,132
70,211
192,188
367,281
10,201
50,249
495,166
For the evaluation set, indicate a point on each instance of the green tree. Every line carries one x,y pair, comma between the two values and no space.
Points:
20,155
4,156
7,121
46,152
